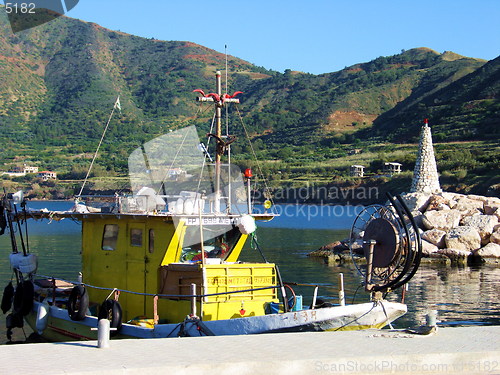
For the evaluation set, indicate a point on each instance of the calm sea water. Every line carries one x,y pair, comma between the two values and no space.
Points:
462,296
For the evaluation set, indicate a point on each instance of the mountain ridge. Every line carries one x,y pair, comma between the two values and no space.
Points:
62,78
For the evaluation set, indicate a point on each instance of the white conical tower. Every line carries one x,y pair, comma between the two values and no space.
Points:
425,176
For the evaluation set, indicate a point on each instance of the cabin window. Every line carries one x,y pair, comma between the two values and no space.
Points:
218,246
151,247
110,237
136,237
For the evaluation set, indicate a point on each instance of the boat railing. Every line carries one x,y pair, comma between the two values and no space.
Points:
193,296
116,292
180,204
155,294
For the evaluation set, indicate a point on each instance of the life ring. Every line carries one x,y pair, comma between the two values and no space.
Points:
23,298
111,310
78,303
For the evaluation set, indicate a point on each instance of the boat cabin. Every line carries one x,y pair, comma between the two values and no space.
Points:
150,256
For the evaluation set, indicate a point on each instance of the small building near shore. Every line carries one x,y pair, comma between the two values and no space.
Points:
47,175
21,171
357,171
392,168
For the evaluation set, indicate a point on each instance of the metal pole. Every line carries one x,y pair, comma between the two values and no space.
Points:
341,290
218,133
369,265
249,196
193,300
202,240
315,296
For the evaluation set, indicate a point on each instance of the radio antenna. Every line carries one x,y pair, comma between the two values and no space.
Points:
227,82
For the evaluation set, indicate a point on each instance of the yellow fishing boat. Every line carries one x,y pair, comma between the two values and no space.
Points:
164,261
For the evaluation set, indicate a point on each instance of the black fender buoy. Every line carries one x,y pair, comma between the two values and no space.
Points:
78,303
111,310
23,298
14,320
8,294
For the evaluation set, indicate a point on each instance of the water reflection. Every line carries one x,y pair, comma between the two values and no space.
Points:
462,296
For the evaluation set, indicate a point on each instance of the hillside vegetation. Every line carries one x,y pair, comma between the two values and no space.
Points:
60,80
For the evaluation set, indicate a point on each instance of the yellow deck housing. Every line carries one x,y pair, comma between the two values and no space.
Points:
144,258
177,278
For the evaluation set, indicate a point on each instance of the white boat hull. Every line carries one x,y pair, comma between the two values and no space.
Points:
352,317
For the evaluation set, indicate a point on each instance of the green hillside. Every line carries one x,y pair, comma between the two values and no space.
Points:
303,108
59,82
468,108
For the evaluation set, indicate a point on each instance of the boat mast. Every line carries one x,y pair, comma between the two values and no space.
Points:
219,100
218,133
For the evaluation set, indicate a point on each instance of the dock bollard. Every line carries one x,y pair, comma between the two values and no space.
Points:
103,329
431,318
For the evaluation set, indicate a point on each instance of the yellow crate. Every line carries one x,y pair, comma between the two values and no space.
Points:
222,278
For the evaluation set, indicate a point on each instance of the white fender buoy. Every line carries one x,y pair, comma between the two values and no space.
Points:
42,317
247,224
189,206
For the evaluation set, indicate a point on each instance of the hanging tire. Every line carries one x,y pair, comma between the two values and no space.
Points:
23,298
78,303
111,310
8,295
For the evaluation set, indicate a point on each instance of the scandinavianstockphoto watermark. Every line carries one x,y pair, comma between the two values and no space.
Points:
389,366
309,212
324,194
308,203
27,14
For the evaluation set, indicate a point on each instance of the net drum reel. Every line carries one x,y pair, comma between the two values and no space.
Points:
385,245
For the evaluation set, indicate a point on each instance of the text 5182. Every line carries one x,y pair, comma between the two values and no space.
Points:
20,8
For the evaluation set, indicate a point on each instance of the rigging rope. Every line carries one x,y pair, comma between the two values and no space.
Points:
99,145
267,189
199,110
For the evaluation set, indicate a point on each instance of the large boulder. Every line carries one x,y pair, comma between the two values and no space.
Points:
469,207
464,238
443,220
475,197
455,255
492,250
435,237
492,207
451,198
416,201
495,237
418,217
438,202
484,224
489,253
428,248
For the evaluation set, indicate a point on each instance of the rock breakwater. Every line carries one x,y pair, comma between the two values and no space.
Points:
455,228
463,228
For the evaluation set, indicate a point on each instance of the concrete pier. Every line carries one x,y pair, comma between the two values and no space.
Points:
467,350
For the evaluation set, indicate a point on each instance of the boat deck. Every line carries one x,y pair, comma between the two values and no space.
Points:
468,350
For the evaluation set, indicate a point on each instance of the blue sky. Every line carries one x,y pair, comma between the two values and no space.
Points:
316,36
